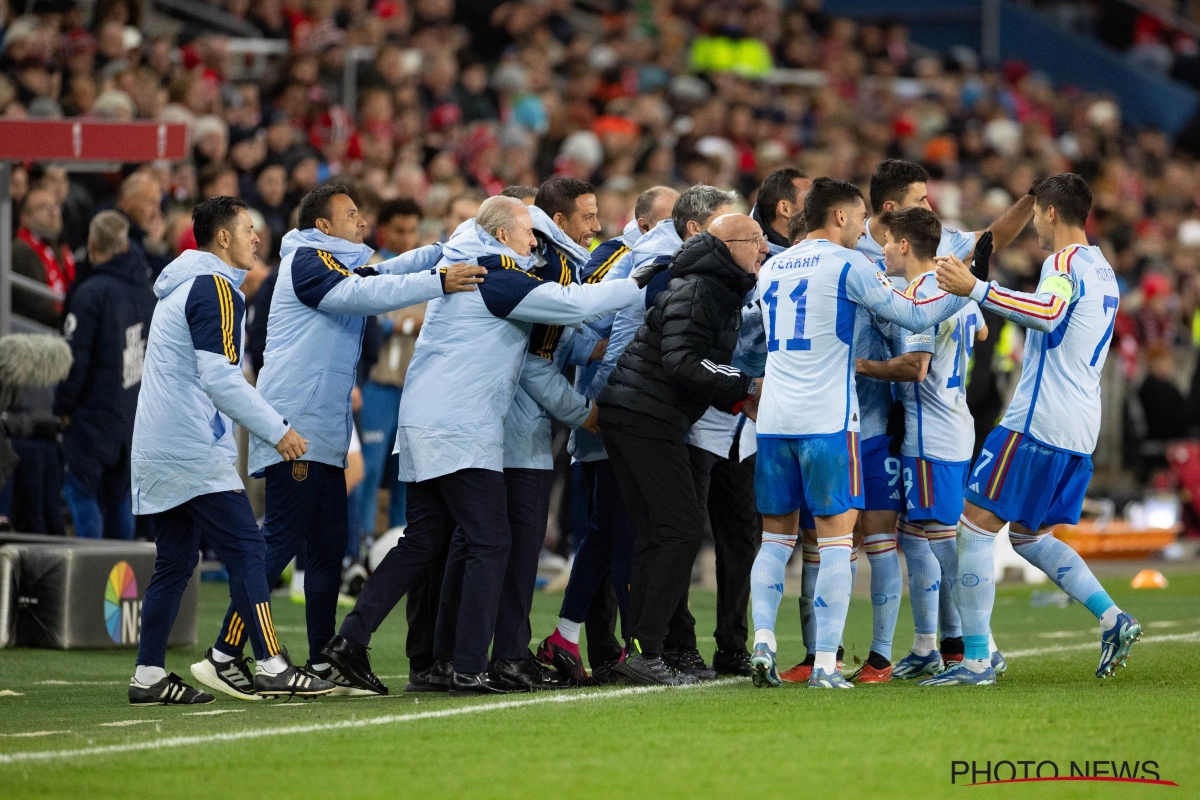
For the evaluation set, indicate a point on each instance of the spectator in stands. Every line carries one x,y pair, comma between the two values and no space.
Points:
140,200
107,323
1163,403
39,255
460,209
396,233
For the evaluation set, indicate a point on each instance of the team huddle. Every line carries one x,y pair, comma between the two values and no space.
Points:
826,369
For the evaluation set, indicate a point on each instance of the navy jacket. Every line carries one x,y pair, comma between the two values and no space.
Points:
107,322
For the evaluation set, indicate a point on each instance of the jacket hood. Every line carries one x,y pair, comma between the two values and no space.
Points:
705,254
351,254
661,240
631,234
469,243
130,267
545,226
192,264
773,236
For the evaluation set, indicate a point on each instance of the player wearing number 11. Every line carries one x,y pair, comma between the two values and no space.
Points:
1034,468
808,416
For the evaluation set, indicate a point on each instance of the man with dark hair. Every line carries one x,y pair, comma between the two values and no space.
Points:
605,553
183,457
318,312
780,195
1034,468
397,227
928,374
38,254
526,194
571,204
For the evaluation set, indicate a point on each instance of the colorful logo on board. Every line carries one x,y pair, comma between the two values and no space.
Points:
122,609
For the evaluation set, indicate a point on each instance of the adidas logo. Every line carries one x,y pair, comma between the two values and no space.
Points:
895,495
936,585
234,676
820,603
172,692
778,587
975,487
1062,573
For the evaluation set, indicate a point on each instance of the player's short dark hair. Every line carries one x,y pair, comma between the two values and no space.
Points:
521,193
212,215
891,180
317,204
1068,193
558,195
797,227
400,207
918,225
823,196
779,185
645,201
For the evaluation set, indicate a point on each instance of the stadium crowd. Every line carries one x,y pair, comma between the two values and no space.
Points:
451,112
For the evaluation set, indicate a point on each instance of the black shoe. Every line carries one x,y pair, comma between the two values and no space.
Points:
293,681
732,662
689,662
440,674
170,691
569,666
464,685
651,671
335,676
419,683
525,675
233,678
353,663
606,674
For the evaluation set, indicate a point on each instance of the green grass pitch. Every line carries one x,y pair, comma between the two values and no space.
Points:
722,740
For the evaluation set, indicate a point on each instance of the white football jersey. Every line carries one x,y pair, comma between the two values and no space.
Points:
810,295
938,424
1070,322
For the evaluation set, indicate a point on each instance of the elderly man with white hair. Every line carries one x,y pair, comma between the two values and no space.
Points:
450,441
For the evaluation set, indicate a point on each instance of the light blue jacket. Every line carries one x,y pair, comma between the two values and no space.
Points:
470,352
584,446
193,389
314,333
542,390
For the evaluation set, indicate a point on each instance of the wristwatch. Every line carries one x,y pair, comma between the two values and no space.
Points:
753,390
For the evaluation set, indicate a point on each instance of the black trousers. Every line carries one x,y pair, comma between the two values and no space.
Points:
473,500
528,492
737,532
421,611
656,483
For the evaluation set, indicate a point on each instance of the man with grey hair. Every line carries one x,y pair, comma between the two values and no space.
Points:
140,200
107,323
450,435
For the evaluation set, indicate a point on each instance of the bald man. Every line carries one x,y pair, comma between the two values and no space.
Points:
678,365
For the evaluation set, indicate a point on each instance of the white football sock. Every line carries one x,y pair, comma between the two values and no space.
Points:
569,630
924,643
273,665
148,676
826,661
221,658
765,636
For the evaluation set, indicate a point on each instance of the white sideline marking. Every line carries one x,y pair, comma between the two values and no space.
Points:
125,723
10,693
1061,634
234,736
30,734
213,713
80,683
1066,648
1165,623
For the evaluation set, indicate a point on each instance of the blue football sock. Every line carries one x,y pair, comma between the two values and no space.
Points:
832,591
886,586
924,577
975,591
1065,568
943,542
808,587
766,579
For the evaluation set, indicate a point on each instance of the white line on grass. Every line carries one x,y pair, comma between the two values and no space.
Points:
293,730
31,734
1066,648
125,723
80,683
213,713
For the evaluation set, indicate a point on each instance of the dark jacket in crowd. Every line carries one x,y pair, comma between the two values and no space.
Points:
678,364
773,236
107,323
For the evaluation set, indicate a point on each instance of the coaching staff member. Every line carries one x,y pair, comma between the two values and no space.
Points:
675,368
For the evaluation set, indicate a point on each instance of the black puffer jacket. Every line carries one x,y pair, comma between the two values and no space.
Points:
678,364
